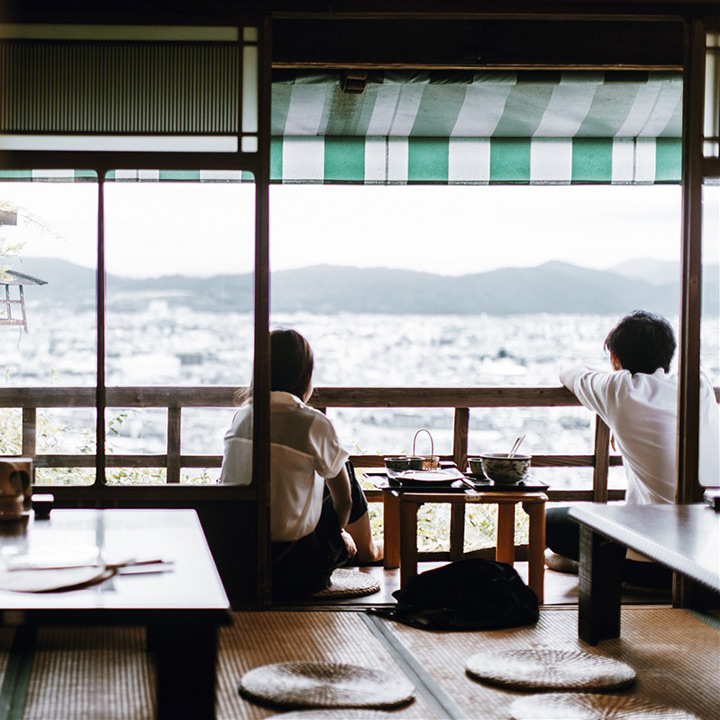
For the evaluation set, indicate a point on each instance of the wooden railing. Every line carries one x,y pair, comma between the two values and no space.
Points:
175,399
462,401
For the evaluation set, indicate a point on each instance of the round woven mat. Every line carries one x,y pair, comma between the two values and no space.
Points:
545,668
348,583
321,684
590,706
343,714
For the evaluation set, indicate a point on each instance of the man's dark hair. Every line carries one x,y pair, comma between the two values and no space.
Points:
291,362
642,342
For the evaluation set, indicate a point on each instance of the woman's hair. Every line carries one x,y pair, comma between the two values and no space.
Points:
642,342
291,366
291,362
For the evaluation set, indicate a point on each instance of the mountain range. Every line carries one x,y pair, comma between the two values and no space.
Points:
554,287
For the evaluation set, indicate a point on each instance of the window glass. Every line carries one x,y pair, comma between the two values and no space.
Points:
459,286
180,264
48,244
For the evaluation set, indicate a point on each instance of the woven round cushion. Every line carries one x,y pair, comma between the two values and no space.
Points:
550,669
344,714
591,706
322,684
348,583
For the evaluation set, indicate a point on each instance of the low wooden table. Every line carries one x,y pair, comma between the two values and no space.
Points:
401,511
181,609
685,538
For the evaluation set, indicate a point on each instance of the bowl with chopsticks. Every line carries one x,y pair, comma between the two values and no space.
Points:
501,468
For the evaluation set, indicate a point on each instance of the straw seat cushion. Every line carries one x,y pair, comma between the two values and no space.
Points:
549,669
349,583
324,684
591,706
342,714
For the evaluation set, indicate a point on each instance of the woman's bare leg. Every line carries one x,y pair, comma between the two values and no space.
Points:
367,549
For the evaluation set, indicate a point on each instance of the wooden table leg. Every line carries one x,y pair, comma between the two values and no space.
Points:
457,530
391,530
186,654
600,586
505,539
408,540
536,547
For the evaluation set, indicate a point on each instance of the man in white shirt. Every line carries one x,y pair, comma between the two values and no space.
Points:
638,402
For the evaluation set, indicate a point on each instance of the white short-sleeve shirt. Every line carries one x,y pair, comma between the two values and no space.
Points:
641,412
304,451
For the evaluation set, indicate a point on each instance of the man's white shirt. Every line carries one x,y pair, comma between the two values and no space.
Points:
641,412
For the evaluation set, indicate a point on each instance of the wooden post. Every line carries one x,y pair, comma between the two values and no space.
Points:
29,431
688,426
22,307
174,432
261,363
601,461
461,425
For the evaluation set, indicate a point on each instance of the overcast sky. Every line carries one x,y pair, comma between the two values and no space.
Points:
203,229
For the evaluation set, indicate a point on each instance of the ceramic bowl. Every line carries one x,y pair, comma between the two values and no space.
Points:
503,469
397,464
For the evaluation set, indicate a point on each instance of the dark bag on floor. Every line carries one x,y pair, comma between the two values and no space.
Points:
471,594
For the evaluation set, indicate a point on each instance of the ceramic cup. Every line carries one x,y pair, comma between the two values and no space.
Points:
12,494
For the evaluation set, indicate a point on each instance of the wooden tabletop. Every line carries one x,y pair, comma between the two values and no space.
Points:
478,496
174,535
685,538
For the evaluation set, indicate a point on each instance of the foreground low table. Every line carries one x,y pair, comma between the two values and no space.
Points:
685,538
401,509
181,608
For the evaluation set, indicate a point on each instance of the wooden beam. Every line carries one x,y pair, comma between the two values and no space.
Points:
688,486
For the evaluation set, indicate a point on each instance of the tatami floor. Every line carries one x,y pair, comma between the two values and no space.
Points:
105,673
560,588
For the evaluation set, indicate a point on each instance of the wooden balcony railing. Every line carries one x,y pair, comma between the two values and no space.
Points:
462,401
175,399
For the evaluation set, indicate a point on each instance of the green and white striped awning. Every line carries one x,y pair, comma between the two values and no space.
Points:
478,128
461,128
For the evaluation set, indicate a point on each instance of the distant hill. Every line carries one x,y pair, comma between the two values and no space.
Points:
554,287
661,272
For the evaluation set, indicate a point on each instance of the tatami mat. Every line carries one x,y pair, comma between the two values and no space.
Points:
260,638
94,673
676,656
104,673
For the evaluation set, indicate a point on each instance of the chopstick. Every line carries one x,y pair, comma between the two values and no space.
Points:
516,446
110,566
